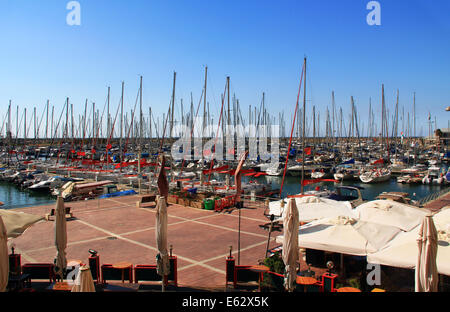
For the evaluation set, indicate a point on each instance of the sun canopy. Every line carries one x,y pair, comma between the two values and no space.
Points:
314,208
392,213
402,252
345,235
17,222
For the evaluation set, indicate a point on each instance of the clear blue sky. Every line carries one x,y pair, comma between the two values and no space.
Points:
259,44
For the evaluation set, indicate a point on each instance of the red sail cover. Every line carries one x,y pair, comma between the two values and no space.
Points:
379,161
237,176
222,168
163,185
307,182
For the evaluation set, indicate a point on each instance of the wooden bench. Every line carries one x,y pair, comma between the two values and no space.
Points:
146,199
69,214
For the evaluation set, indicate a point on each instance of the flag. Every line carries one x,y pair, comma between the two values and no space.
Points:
308,151
109,146
81,154
237,176
163,185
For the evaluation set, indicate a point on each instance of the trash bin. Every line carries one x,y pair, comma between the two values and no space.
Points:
209,204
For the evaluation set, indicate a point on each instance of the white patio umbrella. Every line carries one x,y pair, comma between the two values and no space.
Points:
162,258
345,235
314,208
4,258
388,212
84,281
290,253
60,237
427,278
402,251
17,222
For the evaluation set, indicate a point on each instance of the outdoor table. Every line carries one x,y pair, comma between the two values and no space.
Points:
74,263
261,269
122,266
305,280
60,286
348,289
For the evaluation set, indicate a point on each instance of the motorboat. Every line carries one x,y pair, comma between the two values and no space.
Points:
346,174
375,176
434,176
52,183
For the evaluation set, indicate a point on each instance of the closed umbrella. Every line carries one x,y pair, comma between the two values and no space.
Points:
60,238
84,281
162,258
426,269
238,175
290,252
4,258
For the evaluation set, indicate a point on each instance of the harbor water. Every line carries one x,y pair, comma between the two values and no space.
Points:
14,197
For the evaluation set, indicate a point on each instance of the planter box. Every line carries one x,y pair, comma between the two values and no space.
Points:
201,196
172,199
184,201
197,204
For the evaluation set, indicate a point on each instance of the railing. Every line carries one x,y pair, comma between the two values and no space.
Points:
432,196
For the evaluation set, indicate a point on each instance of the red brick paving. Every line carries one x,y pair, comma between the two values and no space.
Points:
200,238
439,203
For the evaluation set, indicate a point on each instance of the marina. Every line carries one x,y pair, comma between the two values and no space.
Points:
224,147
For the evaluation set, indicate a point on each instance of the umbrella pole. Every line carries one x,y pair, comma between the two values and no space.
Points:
272,217
239,236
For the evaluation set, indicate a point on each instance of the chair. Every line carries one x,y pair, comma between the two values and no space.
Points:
94,265
328,282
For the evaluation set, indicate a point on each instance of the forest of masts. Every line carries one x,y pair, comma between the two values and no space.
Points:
113,123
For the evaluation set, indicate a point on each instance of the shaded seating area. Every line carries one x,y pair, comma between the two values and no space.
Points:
119,277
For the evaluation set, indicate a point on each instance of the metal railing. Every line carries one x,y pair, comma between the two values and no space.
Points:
433,196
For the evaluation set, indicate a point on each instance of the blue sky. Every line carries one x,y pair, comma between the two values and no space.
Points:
259,44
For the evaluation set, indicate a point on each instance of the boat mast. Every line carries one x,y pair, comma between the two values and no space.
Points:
121,127
303,128
173,104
